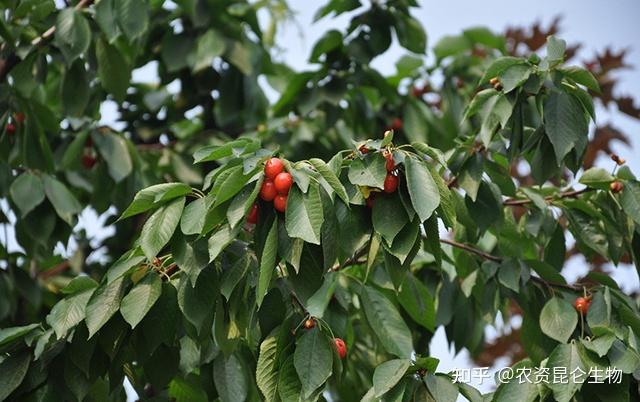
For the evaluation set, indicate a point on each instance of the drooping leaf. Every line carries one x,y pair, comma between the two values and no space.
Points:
267,262
304,216
27,191
313,359
159,228
387,323
137,303
103,304
229,375
423,191
387,375
558,319
154,196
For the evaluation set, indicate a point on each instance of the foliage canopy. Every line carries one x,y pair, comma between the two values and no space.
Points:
189,301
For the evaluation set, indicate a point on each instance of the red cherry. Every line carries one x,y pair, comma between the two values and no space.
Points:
390,165
19,116
390,183
252,218
88,161
283,183
268,190
273,167
341,348
581,305
396,124
280,203
616,186
10,128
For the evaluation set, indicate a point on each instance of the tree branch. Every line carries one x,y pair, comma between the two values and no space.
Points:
355,260
472,250
491,257
12,60
514,202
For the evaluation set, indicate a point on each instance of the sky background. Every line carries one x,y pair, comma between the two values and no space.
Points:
596,24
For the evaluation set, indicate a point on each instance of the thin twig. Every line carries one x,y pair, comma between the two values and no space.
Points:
513,202
494,258
12,59
470,249
355,260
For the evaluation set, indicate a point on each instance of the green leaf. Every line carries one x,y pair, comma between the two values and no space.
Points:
515,390
266,369
289,387
565,123
441,387
329,41
198,302
133,17
558,319
415,298
231,148
313,359
498,66
410,33
12,371
137,303
75,89
8,335
159,228
478,102
230,184
210,45
317,303
220,240
154,196
73,34
497,112
388,374
114,150
192,221
304,216
230,377
107,19
449,45
103,304
423,191
242,203
566,356
630,200
331,178
369,171
514,76
27,192
555,50
597,178
267,262
113,70
65,204
387,323
581,76
389,217
69,312
601,343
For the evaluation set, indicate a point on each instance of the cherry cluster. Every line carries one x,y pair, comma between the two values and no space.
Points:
275,188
